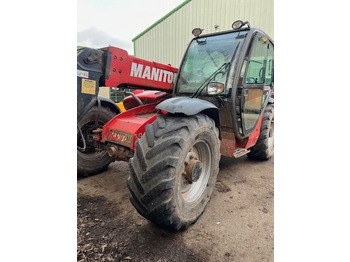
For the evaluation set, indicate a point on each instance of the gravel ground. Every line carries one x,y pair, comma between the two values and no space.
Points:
237,224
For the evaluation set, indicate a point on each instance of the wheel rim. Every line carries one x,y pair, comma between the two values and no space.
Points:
192,191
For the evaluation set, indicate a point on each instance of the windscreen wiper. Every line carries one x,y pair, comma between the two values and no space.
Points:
201,87
224,66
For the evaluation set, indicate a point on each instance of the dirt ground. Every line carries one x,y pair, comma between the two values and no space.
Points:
237,224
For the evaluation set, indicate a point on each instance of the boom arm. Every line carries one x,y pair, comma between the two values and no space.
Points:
123,70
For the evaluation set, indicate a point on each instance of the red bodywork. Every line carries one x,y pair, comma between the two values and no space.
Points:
253,138
146,97
229,143
130,125
130,71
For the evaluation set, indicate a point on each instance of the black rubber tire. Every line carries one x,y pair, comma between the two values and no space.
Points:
93,162
264,147
156,182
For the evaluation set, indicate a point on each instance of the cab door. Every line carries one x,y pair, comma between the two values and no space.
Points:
257,84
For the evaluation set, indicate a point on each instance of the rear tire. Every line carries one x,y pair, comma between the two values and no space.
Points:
92,161
264,147
159,190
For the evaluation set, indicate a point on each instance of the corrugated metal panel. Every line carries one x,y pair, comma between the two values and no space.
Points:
167,41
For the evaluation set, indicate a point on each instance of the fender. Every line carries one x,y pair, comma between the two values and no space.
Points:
190,107
106,102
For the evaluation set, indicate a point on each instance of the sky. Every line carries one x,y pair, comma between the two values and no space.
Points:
102,23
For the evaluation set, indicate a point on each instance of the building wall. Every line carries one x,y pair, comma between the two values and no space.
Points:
166,42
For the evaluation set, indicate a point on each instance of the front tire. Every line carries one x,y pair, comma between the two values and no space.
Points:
91,161
174,170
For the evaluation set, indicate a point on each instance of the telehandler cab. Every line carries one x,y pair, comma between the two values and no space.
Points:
219,102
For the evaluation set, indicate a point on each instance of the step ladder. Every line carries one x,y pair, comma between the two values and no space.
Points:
240,152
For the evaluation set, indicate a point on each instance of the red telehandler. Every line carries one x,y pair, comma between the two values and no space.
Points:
219,102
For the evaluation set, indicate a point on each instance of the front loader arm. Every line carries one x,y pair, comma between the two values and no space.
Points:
123,70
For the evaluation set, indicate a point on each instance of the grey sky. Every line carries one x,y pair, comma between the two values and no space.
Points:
94,37
117,22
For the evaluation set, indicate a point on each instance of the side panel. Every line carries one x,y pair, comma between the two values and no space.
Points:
125,128
228,144
253,138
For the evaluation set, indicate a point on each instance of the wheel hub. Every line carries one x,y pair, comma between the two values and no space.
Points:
193,169
196,172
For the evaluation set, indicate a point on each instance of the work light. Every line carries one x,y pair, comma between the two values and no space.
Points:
197,31
239,23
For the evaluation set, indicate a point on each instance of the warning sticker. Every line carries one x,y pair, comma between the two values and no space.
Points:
88,86
82,73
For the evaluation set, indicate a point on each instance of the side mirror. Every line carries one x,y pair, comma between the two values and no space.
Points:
215,88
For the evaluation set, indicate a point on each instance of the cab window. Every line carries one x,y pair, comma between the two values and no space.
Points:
260,63
256,74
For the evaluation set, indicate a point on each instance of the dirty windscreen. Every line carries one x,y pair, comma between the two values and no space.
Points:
204,57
